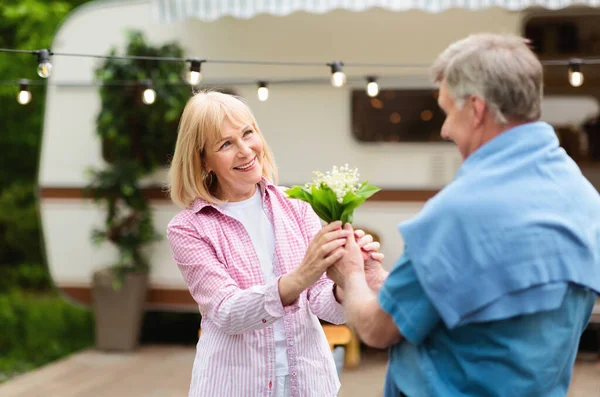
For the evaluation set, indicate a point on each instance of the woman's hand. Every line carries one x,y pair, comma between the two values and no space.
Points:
375,274
366,243
324,250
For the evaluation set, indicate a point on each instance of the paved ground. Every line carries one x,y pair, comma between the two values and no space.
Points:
164,371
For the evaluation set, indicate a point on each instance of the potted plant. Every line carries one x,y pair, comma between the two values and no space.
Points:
137,138
119,290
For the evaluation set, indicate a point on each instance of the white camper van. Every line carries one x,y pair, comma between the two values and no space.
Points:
310,126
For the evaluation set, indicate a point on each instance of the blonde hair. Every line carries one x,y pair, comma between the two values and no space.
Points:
499,68
201,123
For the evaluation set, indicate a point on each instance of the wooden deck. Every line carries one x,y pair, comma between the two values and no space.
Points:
164,371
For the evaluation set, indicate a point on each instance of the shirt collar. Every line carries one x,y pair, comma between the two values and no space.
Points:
199,204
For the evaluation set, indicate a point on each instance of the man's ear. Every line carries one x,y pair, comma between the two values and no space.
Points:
479,109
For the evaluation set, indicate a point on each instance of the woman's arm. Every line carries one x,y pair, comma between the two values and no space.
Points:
320,295
236,310
231,309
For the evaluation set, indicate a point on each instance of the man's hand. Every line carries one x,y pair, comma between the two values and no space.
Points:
374,271
351,261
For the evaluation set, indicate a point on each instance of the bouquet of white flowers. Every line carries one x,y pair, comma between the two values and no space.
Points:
335,195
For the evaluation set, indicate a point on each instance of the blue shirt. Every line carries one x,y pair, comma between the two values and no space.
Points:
525,355
518,215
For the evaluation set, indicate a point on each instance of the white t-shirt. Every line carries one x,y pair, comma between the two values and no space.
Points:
251,214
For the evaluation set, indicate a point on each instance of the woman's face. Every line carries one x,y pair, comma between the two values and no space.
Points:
236,160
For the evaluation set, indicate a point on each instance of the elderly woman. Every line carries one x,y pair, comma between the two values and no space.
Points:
253,260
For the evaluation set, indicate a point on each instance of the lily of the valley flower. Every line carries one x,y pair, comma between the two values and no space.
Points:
341,180
336,194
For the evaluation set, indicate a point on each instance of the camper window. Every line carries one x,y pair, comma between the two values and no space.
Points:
561,35
397,116
573,111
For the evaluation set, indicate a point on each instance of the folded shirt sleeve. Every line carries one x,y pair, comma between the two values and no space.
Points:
531,300
403,298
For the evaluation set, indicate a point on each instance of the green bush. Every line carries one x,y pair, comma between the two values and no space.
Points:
28,276
37,329
20,237
24,24
33,329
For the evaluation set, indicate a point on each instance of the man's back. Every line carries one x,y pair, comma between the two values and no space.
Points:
502,266
527,355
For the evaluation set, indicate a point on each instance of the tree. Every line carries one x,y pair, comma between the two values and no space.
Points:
31,25
137,139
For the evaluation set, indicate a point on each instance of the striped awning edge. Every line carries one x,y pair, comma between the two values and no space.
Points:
210,10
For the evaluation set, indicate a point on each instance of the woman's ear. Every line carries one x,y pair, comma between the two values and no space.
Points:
205,167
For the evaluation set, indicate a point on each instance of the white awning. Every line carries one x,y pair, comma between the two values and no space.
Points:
210,10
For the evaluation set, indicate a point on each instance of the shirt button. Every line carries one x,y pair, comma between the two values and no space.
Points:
294,373
264,321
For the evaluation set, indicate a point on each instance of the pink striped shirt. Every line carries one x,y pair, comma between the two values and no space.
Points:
235,356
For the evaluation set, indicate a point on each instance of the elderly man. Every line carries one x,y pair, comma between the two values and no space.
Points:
500,269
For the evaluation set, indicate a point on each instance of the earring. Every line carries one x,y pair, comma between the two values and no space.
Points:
205,179
208,178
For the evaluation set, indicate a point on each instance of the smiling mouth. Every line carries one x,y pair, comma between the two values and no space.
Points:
246,166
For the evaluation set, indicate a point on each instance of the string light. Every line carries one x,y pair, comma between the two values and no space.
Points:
24,95
263,91
194,75
44,69
372,87
338,78
149,95
575,74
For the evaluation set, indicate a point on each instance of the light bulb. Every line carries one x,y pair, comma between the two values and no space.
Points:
338,78
263,92
575,78
44,68
575,74
193,77
372,87
24,97
149,96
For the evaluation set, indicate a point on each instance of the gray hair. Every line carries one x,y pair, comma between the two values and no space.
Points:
501,69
